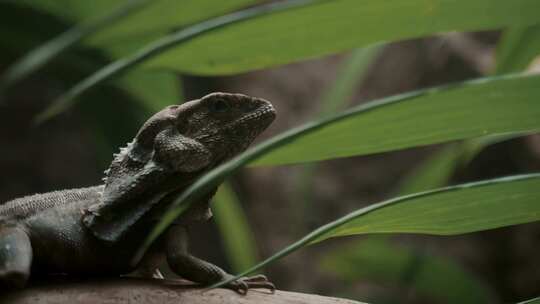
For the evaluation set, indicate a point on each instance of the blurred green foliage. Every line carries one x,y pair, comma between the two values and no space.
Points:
237,236
377,259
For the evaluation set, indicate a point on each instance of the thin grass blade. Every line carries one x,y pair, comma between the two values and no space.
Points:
117,67
40,56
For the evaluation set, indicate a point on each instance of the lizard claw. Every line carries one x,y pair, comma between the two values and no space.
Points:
243,284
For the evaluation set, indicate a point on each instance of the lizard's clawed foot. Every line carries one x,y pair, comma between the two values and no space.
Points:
242,285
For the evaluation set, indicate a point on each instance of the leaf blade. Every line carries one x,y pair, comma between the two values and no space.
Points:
40,56
315,31
436,171
117,67
335,228
162,17
472,109
517,48
422,216
239,242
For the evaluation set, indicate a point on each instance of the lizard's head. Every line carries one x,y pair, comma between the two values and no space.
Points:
215,127
170,150
223,123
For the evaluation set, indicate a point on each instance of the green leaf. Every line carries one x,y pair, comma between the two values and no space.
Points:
447,211
516,49
378,260
162,17
509,123
335,26
117,67
72,10
478,108
351,73
319,15
531,301
153,89
518,46
434,172
239,242
437,170
41,55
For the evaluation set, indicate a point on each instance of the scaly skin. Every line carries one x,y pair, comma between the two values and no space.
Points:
97,230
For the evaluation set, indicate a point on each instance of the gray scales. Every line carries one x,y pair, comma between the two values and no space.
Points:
96,231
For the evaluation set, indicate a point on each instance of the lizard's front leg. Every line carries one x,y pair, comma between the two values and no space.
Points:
149,265
199,271
15,257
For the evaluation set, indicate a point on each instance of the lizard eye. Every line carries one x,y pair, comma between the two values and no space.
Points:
219,105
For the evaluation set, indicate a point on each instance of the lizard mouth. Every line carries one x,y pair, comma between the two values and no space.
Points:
259,119
266,112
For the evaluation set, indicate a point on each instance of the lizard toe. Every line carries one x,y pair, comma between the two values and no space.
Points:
242,285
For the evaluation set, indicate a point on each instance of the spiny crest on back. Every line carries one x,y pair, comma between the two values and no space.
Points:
117,159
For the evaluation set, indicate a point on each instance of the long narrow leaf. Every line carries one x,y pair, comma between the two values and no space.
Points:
531,301
160,18
238,240
335,26
518,47
436,171
350,75
164,16
159,46
478,108
215,176
446,211
38,57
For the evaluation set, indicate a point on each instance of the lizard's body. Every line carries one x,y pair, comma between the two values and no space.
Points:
59,243
97,230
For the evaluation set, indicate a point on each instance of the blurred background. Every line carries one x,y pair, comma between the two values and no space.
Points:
261,210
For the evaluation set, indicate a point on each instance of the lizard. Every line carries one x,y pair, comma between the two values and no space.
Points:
95,231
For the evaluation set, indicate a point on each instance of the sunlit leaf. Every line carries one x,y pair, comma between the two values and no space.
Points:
162,17
334,26
214,55
117,67
72,10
